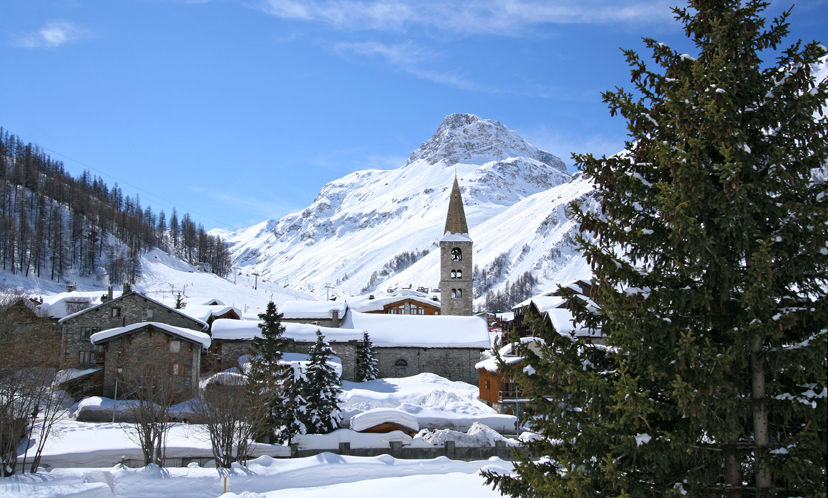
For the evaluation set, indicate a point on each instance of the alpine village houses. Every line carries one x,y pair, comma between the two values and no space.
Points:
412,333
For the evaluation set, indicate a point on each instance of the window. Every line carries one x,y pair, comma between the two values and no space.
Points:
459,274
178,369
401,363
116,312
86,332
453,274
85,357
453,293
149,312
456,273
175,346
459,293
456,254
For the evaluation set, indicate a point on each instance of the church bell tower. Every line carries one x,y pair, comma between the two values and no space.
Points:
456,259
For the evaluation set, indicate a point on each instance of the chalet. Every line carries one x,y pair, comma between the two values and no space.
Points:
552,306
403,302
145,347
498,389
76,350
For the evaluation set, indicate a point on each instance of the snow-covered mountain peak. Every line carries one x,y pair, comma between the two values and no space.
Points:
468,139
381,227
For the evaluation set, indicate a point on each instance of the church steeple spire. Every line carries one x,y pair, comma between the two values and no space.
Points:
456,218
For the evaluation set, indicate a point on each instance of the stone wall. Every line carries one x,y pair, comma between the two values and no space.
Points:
131,308
462,306
151,350
455,364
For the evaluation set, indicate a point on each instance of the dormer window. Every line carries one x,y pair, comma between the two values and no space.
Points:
456,254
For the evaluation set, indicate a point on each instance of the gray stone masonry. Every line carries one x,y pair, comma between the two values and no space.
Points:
131,308
150,348
461,306
455,364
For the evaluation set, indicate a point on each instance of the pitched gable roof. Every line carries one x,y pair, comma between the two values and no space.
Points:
204,325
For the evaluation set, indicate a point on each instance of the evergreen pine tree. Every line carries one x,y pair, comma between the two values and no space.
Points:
366,360
322,390
709,256
290,408
265,374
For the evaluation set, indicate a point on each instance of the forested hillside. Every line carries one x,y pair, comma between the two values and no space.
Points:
52,224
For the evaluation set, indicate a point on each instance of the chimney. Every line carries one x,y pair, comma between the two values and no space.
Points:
127,287
109,293
335,318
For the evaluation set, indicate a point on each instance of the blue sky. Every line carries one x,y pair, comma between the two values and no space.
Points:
238,111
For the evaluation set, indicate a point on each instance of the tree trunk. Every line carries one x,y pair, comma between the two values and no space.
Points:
761,436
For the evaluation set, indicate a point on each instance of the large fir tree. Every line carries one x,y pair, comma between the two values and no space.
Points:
322,390
366,360
709,256
265,373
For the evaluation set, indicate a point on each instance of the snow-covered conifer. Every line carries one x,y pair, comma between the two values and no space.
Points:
322,390
366,360
710,265
264,371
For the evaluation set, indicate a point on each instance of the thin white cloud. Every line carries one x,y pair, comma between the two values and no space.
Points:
506,17
408,58
403,53
53,34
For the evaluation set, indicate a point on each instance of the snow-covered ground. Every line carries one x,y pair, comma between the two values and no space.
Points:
325,474
81,455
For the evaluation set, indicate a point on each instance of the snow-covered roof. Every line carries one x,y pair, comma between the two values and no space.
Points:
204,312
543,302
226,329
456,237
364,304
74,373
73,315
377,416
60,305
188,334
491,364
311,309
427,331
509,355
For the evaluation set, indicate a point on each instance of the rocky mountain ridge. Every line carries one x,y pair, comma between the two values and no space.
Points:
361,226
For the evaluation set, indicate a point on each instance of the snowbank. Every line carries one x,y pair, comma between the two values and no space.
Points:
290,477
377,416
435,401
477,435
356,439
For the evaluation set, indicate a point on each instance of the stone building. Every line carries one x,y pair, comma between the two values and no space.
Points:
323,313
169,353
76,350
448,346
456,259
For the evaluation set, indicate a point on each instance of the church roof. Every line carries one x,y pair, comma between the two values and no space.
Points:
456,218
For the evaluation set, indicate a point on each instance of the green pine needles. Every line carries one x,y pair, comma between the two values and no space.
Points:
366,360
710,258
265,372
